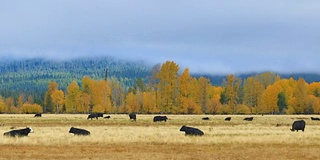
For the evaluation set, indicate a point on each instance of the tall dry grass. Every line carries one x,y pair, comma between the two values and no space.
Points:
265,133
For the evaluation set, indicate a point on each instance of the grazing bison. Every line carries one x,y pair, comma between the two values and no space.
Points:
99,114
315,118
160,118
90,116
248,119
79,131
106,117
298,125
38,115
191,131
19,132
205,118
227,119
133,116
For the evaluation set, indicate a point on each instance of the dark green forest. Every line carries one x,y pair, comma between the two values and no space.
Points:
32,76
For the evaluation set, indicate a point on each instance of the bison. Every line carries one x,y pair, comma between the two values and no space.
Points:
133,116
79,131
205,118
99,114
298,125
106,117
160,118
191,131
19,132
227,119
90,116
315,118
248,119
38,115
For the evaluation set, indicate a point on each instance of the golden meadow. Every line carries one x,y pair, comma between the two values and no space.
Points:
266,137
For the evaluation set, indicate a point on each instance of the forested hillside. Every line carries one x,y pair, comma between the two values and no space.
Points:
79,86
31,77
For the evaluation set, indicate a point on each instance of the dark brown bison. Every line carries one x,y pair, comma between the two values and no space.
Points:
298,125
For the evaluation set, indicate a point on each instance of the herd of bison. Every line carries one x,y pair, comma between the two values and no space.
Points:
296,126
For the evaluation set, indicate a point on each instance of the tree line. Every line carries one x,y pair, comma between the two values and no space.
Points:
167,90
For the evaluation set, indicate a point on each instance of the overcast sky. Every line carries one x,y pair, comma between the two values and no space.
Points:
211,36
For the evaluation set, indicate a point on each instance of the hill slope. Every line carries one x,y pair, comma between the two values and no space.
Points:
33,76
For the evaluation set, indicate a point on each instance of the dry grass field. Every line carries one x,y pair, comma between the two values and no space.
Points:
119,138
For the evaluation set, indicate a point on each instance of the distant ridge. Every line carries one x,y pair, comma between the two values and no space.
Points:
32,76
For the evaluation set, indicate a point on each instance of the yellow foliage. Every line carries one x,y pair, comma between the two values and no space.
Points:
243,109
3,106
132,104
31,108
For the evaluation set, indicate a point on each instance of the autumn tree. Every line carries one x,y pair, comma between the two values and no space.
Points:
148,103
269,99
167,87
10,104
117,94
184,91
203,84
31,108
48,105
214,104
252,89
3,106
83,102
132,104
73,90
57,98
298,102
232,87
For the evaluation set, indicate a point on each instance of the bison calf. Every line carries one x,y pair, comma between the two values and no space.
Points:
107,117
38,115
205,118
248,119
298,125
191,131
79,131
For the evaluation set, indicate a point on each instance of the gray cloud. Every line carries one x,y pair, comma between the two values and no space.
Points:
206,36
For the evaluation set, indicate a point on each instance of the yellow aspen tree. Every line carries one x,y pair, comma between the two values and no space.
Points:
267,78
314,103
3,106
314,89
20,101
106,96
73,90
252,89
31,108
167,87
58,100
132,104
204,85
148,103
300,96
83,102
232,88
214,104
10,104
184,91
269,99
48,105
